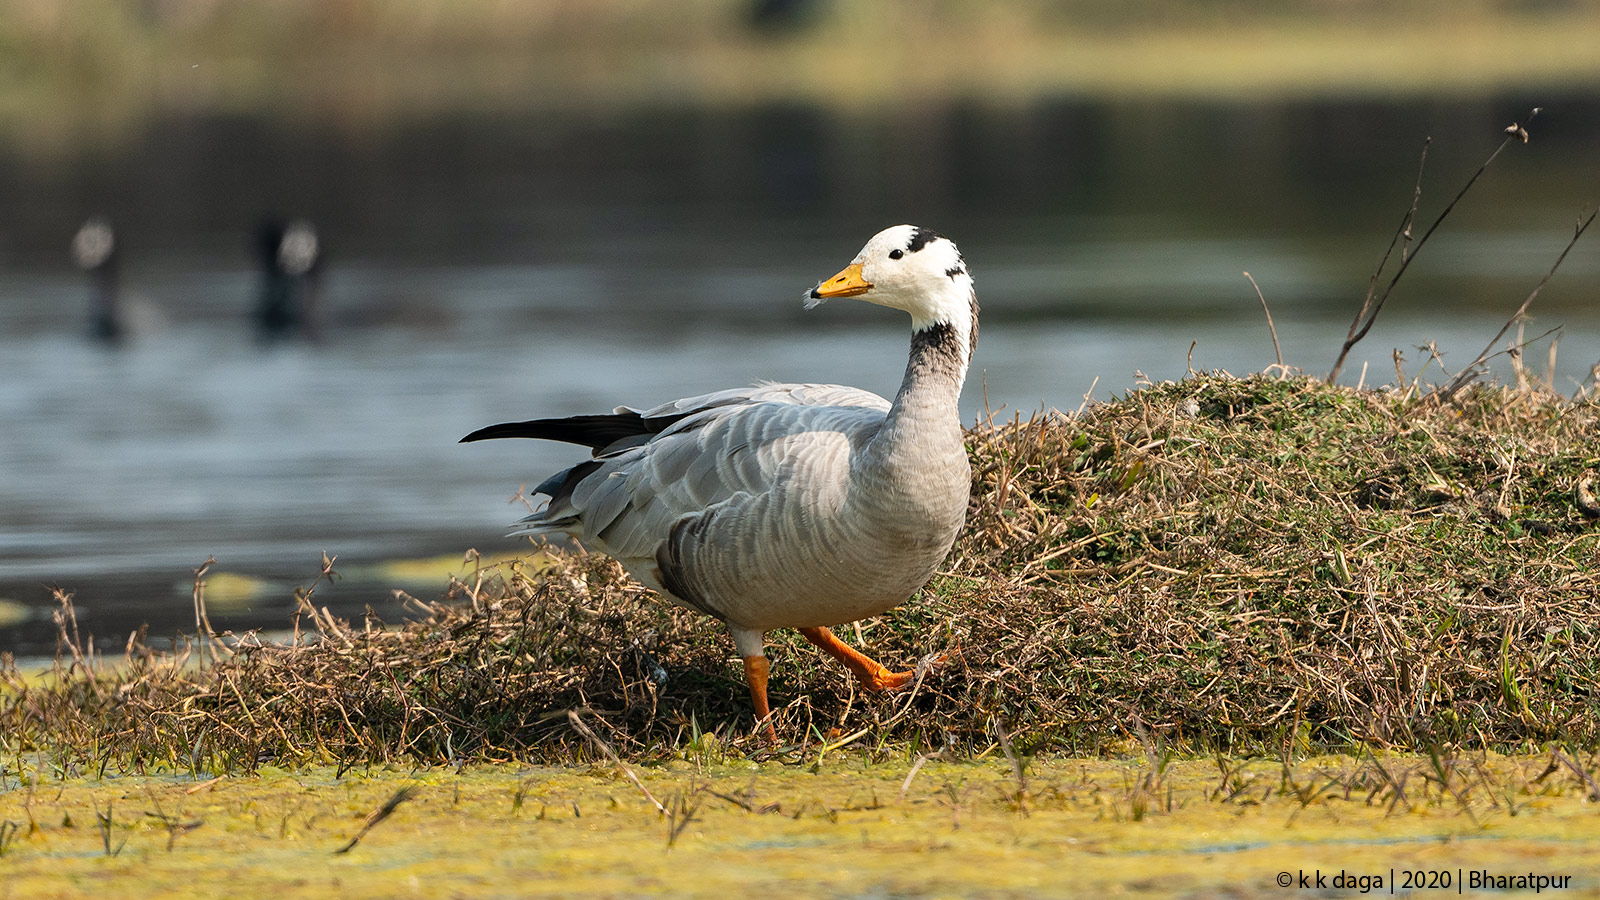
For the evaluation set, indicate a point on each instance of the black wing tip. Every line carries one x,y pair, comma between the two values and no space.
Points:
503,430
596,432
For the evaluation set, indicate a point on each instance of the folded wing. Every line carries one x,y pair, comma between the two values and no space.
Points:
720,451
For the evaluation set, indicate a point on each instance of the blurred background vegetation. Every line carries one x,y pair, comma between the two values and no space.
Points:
99,65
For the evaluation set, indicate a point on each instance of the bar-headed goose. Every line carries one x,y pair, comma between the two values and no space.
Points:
789,505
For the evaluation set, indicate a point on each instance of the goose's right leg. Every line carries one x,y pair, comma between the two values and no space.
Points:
873,675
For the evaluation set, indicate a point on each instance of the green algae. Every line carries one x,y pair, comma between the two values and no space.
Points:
12,612
431,571
835,827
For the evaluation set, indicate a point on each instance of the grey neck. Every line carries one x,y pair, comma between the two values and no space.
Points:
926,410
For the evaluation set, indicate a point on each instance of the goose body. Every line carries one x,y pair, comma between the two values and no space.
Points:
788,505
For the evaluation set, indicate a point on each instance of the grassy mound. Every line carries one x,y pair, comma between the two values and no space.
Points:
1217,565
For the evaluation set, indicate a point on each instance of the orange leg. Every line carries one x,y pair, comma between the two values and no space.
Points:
755,672
871,673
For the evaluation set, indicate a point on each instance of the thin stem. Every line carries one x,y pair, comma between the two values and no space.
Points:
1471,372
1270,327
1370,309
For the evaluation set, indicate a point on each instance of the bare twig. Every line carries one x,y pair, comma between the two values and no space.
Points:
587,732
202,621
922,759
1582,773
1088,396
1514,350
302,597
1402,233
66,619
681,814
1550,364
103,823
1368,314
1593,382
1473,370
379,814
1017,769
174,823
1277,350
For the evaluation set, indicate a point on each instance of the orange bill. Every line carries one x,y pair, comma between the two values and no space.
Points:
848,283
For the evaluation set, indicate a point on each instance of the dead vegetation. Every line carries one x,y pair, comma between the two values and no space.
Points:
1218,565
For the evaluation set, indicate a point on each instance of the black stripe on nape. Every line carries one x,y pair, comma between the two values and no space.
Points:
972,338
953,271
936,349
920,238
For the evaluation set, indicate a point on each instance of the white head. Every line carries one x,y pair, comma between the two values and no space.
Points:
94,243
908,268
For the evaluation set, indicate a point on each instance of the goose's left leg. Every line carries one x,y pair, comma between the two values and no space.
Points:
873,675
756,669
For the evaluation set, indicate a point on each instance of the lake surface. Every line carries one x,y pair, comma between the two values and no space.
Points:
491,268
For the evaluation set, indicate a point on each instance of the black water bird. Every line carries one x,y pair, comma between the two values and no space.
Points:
290,257
95,251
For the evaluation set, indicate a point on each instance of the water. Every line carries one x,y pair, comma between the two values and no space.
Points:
494,268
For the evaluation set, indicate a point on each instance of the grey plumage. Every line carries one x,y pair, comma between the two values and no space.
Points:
787,505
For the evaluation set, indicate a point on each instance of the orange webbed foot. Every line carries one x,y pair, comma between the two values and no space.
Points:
886,680
872,675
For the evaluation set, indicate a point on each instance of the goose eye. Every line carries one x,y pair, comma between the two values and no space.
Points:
896,253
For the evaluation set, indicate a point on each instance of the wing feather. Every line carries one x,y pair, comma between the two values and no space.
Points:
767,392
725,451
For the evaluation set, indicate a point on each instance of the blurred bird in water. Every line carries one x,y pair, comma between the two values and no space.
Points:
789,505
94,250
290,256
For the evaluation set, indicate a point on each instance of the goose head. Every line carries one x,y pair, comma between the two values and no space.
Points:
908,268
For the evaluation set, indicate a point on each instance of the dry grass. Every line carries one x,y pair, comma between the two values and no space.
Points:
1219,565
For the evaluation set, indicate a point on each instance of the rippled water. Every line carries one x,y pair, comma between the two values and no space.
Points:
498,293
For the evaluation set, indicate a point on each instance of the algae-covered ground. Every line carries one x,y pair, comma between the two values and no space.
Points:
832,827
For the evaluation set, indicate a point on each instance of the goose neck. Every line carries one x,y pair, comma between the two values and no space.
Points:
926,409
